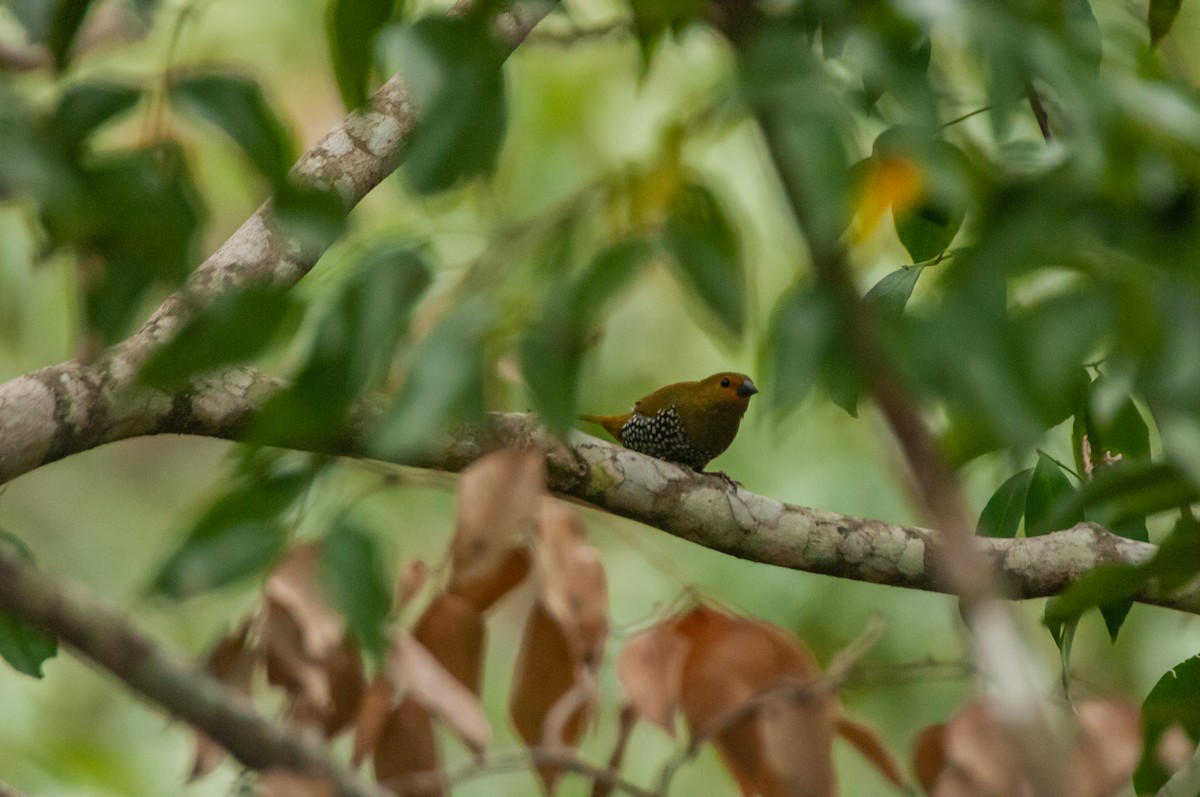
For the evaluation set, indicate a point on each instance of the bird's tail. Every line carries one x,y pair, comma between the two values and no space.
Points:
611,423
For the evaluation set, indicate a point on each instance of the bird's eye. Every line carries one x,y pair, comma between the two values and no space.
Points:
725,382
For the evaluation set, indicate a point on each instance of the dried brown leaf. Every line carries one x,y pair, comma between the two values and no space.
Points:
796,738
868,743
485,590
452,630
407,745
414,672
981,758
288,664
545,671
574,588
231,661
731,662
497,508
344,675
285,783
650,670
1108,749
929,755
294,588
373,713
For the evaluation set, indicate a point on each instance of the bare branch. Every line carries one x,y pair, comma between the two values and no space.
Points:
106,638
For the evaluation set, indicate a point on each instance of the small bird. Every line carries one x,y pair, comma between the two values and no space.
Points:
685,422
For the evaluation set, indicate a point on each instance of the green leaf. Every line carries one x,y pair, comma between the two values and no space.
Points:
311,218
1002,514
1064,638
1178,559
234,328
148,217
88,105
65,23
1160,18
553,347
351,351
1120,496
454,71
444,385
1114,615
238,106
1174,700
352,26
928,228
708,253
890,295
653,19
1047,487
25,647
237,536
803,329
1103,585
351,573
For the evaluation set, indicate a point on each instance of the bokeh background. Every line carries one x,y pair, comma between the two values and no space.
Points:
582,113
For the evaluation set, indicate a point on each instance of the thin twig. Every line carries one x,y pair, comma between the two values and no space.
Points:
109,640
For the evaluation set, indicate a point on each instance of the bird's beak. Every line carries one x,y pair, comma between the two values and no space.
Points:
747,388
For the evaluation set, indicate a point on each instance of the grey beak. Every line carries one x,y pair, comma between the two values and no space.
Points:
747,388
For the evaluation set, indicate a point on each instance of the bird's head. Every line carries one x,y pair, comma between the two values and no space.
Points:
728,388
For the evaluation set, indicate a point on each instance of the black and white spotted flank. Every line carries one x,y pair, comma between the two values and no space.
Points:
661,435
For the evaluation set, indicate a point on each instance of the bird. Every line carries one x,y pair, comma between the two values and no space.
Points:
685,422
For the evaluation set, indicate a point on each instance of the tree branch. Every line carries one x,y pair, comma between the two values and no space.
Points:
109,640
696,507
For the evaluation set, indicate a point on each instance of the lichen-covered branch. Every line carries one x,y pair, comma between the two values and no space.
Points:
697,507
108,639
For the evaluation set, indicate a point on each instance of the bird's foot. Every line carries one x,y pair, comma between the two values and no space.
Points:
723,476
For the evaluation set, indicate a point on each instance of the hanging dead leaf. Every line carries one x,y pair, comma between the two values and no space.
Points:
1108,748
574,588
929,755
497,507
414,672
231,661
981,758
797,746
650,670
288,664
483,592
414,575
452,630
344,675
545,671
868,743
373,713
407,746
285,783
294,588
731,662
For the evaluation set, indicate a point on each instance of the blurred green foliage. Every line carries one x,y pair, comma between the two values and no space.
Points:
639,195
